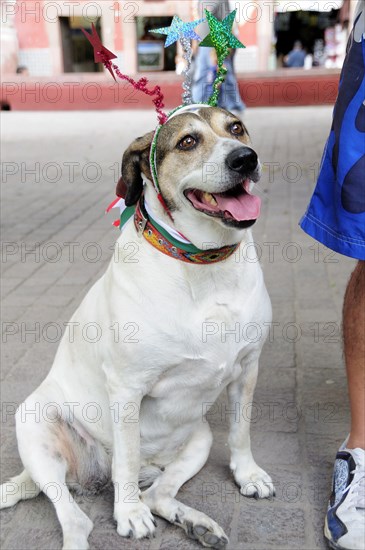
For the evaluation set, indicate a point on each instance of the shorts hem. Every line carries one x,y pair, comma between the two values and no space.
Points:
328,237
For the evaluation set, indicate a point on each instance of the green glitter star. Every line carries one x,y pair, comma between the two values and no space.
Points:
221,39
220,36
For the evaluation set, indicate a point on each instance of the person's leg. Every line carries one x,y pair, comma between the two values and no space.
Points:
202,76
230,97
344,524
354,349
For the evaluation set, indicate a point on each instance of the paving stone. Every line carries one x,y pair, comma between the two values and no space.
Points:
319,351
279,352
42,538
102,540
264,523
290,488
322,448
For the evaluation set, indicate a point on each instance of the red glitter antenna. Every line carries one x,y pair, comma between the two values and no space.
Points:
103,55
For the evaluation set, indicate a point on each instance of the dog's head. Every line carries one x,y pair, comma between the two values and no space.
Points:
206,169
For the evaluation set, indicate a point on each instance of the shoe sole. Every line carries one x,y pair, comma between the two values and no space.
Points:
328,537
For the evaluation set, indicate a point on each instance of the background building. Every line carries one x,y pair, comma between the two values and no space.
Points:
42,39
45,36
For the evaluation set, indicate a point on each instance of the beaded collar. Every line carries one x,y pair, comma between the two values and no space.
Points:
160,239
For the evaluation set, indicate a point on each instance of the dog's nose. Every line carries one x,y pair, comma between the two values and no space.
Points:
242,160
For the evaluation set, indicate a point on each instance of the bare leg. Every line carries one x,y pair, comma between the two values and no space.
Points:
354,347
344,522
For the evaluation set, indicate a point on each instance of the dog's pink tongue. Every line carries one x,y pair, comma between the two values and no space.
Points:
241,208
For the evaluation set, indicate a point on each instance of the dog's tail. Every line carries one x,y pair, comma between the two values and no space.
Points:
20,487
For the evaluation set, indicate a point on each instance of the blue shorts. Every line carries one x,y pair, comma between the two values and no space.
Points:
336,213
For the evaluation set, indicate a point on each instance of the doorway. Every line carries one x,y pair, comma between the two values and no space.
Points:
77,52
151,52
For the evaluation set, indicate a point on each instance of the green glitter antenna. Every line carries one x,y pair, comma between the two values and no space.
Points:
221,39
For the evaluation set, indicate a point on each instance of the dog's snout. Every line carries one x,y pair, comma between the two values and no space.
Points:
242,160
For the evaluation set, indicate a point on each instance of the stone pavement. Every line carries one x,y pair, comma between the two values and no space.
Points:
59,173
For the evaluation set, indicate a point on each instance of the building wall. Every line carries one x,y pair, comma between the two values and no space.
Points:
39,33
9,39
31,31
39,37
147,9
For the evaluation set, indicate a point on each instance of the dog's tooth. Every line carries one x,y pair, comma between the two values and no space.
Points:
209,199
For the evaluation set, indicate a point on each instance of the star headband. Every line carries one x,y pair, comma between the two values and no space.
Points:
220,38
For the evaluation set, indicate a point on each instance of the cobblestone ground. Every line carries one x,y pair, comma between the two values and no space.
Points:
59,175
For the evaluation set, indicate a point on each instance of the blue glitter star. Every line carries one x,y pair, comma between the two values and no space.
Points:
179,29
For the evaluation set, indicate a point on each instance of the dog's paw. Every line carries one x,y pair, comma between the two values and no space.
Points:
200,527
253,481
135,521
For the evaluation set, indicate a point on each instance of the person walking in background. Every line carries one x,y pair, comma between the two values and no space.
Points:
203,73
295,57
336,218
204,70
230,97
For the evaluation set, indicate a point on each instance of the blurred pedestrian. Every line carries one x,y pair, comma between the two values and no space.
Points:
295,57
22,69
336,218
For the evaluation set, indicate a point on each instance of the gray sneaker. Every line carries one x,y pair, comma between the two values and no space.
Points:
345,520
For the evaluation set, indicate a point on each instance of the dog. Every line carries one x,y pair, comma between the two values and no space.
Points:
152,380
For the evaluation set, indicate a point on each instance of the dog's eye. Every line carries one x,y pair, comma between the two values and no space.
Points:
236,129
188,142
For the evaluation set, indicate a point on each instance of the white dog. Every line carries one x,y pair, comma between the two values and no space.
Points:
152,386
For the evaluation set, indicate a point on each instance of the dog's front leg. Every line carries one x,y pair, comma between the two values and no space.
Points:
133,517
252,480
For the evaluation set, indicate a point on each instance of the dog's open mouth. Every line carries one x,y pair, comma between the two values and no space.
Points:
235,205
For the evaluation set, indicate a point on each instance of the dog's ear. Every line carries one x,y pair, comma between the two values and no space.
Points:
135,162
